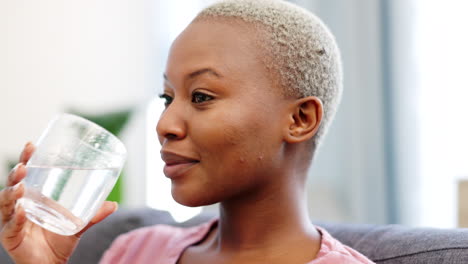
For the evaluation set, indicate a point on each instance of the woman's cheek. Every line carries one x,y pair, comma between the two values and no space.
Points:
228,136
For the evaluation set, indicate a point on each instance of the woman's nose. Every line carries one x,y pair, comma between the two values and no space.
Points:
171,125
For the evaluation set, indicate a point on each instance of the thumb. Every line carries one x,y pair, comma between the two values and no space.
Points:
106,209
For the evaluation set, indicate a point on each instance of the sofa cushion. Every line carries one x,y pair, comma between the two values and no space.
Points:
392,244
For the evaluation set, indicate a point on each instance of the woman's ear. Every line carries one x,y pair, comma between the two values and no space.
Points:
304,119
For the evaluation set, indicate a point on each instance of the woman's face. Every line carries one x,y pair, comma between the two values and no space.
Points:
221,131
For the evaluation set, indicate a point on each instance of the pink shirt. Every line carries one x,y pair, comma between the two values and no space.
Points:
162,244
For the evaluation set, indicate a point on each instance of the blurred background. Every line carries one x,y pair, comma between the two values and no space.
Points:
396,152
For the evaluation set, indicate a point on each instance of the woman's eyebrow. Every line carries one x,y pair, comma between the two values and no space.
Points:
204,71
196,74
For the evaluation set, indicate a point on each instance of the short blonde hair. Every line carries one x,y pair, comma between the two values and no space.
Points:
299,47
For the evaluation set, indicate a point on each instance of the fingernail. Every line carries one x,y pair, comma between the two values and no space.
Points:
16,186
27,144
16,167
12,174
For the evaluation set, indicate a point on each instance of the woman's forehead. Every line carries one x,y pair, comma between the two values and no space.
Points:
212,44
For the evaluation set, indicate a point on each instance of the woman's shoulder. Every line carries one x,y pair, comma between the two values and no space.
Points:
333,251
161,241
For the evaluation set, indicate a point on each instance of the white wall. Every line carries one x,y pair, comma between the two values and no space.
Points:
94,56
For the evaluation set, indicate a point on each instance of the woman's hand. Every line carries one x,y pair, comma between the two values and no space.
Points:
25,241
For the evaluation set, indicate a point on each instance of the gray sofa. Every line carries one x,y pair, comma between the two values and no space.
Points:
388,244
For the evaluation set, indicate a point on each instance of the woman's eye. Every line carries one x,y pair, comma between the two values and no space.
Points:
167,99
198,97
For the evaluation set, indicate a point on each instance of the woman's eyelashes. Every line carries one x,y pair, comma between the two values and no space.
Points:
199,97
167,99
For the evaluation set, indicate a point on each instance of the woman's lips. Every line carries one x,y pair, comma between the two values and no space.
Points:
178,169
176,164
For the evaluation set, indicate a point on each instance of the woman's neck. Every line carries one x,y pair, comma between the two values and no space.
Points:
269,221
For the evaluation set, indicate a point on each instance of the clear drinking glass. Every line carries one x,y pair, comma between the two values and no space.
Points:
72,171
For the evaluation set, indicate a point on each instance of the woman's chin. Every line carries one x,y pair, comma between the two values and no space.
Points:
191,198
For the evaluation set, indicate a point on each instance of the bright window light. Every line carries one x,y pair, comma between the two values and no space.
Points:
441,45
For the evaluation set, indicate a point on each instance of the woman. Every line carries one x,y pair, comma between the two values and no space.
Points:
250,88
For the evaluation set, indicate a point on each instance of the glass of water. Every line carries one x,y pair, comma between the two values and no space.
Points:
72,171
